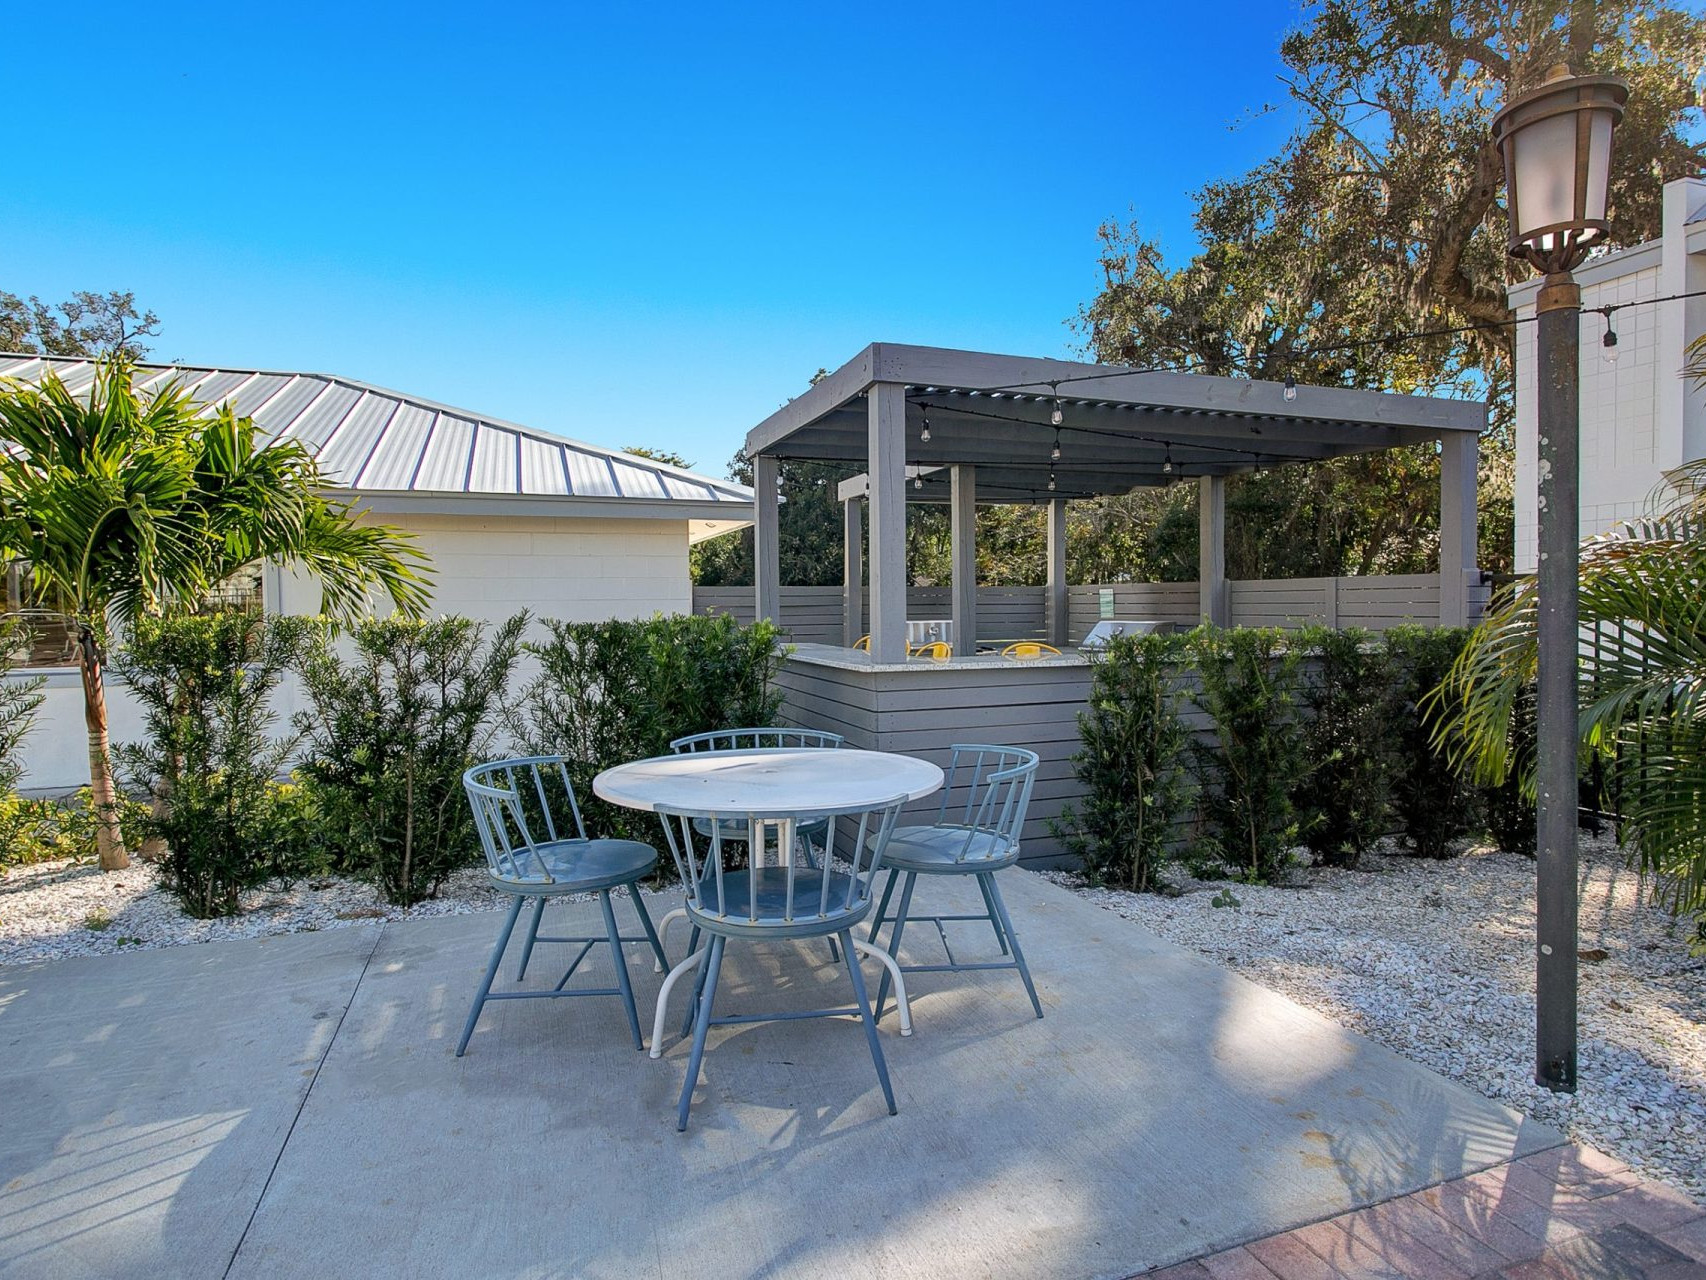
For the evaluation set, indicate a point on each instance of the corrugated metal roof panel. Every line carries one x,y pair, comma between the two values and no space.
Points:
342,456
369,438
255,393
495,464
397,453
279,412
321,417
444,462
637,482
219,384
589,474
542,468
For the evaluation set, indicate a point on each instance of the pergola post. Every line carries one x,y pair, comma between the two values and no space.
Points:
852,571
1215,602
962,532
1057,602
766,539
1458,463
887,453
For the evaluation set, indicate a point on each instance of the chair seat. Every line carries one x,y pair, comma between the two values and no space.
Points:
809,920
583,866
945,850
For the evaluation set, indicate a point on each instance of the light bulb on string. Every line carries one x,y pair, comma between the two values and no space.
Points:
924,435
1054,454
1167,461
1056,417
1051,482
917,482
1609,342
1290,387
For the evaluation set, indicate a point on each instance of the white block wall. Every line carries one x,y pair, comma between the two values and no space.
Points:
584,570
1639,417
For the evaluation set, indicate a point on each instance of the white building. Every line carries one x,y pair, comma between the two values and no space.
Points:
512,518
1640,417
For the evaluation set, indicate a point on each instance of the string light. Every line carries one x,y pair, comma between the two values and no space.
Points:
1051,482
1389,341
1167,462
1056,416
1054,454
918,482
924,435
1609,342
1290,387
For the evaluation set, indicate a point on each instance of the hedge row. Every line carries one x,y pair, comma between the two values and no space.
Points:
1229,750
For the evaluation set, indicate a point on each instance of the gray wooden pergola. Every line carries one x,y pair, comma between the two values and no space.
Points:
976,427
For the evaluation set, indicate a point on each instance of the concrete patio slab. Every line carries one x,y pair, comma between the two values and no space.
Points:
1164,1109
144,1098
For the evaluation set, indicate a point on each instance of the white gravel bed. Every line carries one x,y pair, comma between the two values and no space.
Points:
58,909
1436,960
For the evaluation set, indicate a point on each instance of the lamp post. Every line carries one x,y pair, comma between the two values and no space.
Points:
1556,145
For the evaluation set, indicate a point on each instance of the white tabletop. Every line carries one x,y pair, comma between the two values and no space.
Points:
773,782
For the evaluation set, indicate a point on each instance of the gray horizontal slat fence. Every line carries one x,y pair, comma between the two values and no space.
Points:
812,615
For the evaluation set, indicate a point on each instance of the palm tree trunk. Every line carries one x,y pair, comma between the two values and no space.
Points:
109,839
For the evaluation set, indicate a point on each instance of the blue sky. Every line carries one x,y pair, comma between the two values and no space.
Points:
631,224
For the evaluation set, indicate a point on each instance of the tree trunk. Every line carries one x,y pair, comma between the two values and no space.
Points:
109,838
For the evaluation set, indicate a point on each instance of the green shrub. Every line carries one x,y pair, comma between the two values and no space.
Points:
1249,763
1511,815
1344,796
1434,804
20,699
205,684
1132,764
42,829
608,692
392,729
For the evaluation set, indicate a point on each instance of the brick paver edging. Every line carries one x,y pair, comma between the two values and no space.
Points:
1571,1213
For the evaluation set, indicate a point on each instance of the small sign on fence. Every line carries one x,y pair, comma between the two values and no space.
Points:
1105,602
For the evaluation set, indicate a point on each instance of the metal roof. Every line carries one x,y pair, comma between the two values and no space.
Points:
382,445
1120,428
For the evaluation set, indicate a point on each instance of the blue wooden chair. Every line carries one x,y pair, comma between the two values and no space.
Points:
767,738
976,833
775,897
536,848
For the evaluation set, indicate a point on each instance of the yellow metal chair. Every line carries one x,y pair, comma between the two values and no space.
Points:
1030,650
863,642
935,651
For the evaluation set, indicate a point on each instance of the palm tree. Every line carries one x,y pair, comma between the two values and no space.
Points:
123,505
1643,682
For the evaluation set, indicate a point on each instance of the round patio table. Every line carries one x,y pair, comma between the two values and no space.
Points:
775,782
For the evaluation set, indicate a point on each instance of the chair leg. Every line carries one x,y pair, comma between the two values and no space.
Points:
893,947
702,1024
698,984
866,1017
491,972
532,933
620,961
883,906
646,924
1013,938
994,920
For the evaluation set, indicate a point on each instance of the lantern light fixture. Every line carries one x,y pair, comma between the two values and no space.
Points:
1556,145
